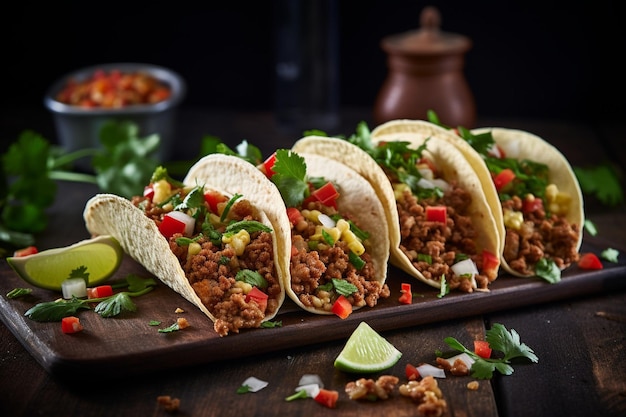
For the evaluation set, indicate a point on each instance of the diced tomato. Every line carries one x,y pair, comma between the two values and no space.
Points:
148,192
71,324
327,398
342,307
257,296
268,165
482,348
531,203
412,374
407,295
503,178
100,291
326,194
29,250
176,222
436,214
213,198
590,261
294,215
491,263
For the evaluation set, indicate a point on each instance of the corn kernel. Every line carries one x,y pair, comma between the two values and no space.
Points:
342,225
551,191
238,241
349,237
357,247
243,286
513,219
311,215
398,191
194,248
334,233
162,190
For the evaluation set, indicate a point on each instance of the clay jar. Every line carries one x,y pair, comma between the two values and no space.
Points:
426,73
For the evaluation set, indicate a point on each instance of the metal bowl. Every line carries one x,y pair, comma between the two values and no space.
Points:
79,128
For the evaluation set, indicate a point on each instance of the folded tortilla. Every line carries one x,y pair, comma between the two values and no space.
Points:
108,214
357,200
521,145
453,167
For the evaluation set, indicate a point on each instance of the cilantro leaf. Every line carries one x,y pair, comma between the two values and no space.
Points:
290,177
548,270
251,277
344,287
610,255
601,181
115,304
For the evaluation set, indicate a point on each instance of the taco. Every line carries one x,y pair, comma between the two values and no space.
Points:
337,245
219,249
441,228
541,200
536,191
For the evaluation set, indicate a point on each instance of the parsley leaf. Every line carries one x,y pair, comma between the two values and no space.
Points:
610,255
601,181
548,270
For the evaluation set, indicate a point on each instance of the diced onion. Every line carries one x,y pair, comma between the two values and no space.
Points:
189,221
440,183
427,369
466,266
74,287
254,384
311,390
462,356
434,183
424,183
307,379
326,220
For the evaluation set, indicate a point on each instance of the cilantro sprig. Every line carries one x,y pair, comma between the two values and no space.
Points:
502,340
31,166
105,306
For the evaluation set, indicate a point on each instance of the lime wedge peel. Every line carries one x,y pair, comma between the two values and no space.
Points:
367,352
102,256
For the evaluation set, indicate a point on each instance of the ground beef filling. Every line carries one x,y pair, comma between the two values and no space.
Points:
212,272
311,269
541,236
442,242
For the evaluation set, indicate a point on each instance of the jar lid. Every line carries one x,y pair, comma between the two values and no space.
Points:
428,39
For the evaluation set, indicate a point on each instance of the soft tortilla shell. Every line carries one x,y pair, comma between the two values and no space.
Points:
445,156
521,145
141,239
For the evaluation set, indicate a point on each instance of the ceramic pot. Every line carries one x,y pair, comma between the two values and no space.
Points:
426,73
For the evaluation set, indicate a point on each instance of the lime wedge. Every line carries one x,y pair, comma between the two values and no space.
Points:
101,256
366,351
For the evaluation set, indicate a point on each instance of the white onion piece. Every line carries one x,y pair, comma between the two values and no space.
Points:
325,220
462,356
254,384
438,182
307,379
189,221
466,266
424,183
512,149
494,151
74,287
427,369
426,173
311,390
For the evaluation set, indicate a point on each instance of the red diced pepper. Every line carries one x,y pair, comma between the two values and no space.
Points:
436,214
503,178
412,374
71,324
531,203
342,307
213,198
590,261
257,296
327,398
491,263
407,296
268,165
100,291
326,194
29,250
294,215
148,192
170,226
482,348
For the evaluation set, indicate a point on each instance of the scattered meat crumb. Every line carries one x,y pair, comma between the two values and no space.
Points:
179,310
171,405
371,390
427,394
182,323
473,385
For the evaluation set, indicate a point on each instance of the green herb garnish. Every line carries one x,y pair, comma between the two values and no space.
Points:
502,340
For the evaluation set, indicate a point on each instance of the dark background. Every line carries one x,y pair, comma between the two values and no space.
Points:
539,59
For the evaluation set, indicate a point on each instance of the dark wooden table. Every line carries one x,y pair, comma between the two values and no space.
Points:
580,340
